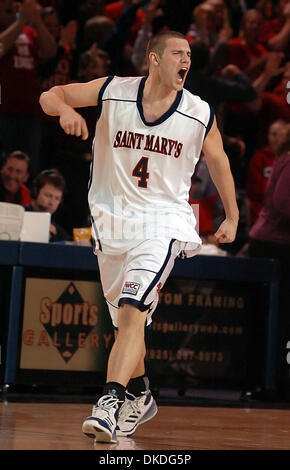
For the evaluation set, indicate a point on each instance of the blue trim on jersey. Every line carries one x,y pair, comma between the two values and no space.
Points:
165,116
159,274
140,269
112,304
117,99
101,92
146,326
91,166
96,233
210,121
191,117
137,303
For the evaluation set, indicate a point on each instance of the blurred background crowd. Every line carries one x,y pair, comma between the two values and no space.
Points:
240,66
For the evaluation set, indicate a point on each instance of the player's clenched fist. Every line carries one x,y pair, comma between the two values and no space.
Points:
73,123
226,232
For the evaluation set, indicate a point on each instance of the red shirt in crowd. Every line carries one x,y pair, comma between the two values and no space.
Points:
115,9
242,54
22,197
206,213
269,29
20,84
259,171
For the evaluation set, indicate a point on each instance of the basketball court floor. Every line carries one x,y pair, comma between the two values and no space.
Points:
31,425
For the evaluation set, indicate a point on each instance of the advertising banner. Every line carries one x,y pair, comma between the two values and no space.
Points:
66,326
201,331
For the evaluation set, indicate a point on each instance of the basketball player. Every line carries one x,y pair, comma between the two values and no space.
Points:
149,136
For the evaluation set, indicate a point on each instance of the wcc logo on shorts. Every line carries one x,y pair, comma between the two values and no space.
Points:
131,288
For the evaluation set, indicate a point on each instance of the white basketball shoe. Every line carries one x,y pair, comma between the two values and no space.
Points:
101,425
135,411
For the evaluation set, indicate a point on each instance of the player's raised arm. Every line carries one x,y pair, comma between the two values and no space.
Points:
220,172
61,101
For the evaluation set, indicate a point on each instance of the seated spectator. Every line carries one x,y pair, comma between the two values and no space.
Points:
25,42
260,168
47,194
14,173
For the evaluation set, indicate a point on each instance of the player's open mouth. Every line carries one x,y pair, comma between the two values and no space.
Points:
181,74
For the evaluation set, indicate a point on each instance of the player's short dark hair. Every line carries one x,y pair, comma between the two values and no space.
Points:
158,42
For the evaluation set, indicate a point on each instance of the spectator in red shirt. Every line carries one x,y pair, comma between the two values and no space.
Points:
275,33
14,173
260,168
246,51
24,42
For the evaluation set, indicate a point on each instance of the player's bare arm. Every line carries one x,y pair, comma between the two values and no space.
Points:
220,172
61,101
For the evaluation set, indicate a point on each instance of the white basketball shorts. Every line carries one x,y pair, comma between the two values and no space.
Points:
137,275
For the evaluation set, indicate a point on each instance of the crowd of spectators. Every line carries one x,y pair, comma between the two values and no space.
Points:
240,66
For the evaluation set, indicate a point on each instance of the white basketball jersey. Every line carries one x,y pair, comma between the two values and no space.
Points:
141,171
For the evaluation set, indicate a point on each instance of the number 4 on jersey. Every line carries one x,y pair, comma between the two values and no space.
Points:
140,171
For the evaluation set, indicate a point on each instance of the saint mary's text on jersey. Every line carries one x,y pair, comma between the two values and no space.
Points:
151,143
